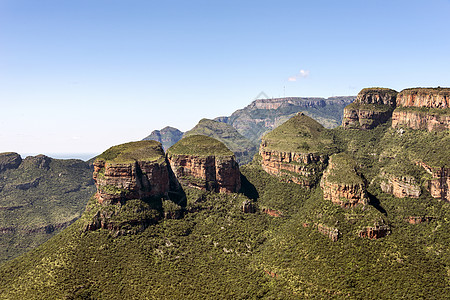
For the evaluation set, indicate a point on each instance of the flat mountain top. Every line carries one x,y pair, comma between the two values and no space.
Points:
133,151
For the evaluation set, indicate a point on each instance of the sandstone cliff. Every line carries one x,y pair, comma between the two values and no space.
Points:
205,163
423,108
439,184
372,107
131,171
400,186
296,151
341,184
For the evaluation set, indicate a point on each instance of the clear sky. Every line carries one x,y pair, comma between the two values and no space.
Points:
80,76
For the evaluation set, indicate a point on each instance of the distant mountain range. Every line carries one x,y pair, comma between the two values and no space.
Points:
259,117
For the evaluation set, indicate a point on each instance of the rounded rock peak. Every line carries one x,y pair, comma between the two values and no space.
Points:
200,145
377,95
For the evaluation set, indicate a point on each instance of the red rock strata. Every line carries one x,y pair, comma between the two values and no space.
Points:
400,187
300,168
219,174
117,182
438,186
375,232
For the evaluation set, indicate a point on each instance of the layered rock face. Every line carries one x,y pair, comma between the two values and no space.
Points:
400,187
296,151
341,184
139,172
424,97
205,163
372,107
423,108
300,168
375,232
438,186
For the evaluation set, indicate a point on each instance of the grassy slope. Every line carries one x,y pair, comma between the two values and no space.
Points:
130,152
200,145
59,197
228,135
300,134
216,251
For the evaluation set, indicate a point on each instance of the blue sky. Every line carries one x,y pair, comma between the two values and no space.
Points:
81,76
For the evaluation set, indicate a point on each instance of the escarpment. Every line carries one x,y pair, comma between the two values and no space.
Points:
205,163
135,170
423,108
341,184
372,107
297,151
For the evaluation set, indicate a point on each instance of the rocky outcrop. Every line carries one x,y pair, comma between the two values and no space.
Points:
438,185
219,174
372,107
272,212
416,119
206,163
418,219
331,232
9,160
301,168
400,187
136,177
424,97
39,161
375,232
341,184
423,108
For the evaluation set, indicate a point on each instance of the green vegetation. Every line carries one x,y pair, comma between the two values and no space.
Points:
233,140
38,199
199,145
437,90
344,170
369,107
300,134
130,152
425,110
254,122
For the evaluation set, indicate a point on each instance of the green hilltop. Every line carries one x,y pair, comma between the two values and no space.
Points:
199,145
300,134
227,134
133,151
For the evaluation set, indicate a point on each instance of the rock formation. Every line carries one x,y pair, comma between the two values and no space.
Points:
374,232
341,184
205,163
423,108
372,107
439,183
296,151
136,170
243,149
9,160
400,187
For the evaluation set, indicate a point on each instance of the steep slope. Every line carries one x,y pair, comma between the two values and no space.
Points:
206,163
263,115
166,136
297,151
372,107
38,197
243,149
423,108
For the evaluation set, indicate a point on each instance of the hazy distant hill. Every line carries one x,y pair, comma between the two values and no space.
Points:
263,115
166,136
38,197
242,147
